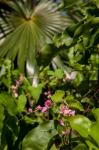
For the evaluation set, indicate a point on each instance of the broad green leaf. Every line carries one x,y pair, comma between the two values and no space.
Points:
9,103
35,91
96,114
58,96
39,137
94,132
21,102
81,124
94,129
76,105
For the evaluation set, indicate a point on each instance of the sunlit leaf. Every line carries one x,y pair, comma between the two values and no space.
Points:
80,124
39,137
58,96
21,102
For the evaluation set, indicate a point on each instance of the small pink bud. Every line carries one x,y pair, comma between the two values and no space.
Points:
39,107
61,122
30,110
44,109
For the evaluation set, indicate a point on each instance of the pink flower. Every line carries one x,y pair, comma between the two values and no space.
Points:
66,111
61,122
30,110
44,109
46,106
48,103
39,107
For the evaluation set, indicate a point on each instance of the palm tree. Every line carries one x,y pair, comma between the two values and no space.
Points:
25,26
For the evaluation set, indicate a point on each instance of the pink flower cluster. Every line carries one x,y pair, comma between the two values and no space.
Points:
46,106
17,85
64,110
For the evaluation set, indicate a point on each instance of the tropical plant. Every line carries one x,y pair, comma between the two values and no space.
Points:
62,112
25,27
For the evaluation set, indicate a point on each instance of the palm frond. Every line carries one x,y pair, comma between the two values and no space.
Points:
25,27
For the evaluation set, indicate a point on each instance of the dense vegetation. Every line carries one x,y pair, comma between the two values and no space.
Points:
49,75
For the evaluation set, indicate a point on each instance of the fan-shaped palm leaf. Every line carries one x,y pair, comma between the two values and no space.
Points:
25,27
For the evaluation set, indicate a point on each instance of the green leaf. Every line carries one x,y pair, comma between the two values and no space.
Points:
81,147
91,145
96,2
78,79
9,103
58,96
76,105
50,73
59,73
78,31
94,59
81,124
35,91
29,120
94,36
21,102
94,129
53,147
39,137
96,114
70,2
